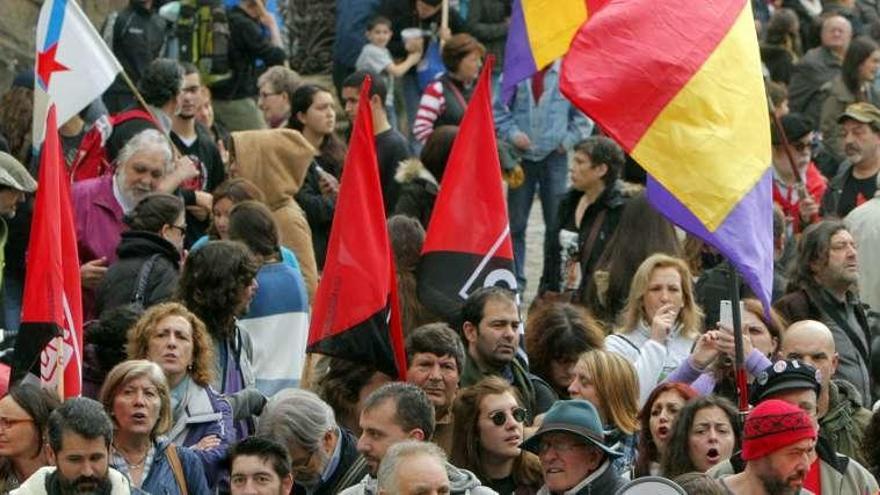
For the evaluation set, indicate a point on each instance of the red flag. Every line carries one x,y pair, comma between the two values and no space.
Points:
356,314
52,304
468,241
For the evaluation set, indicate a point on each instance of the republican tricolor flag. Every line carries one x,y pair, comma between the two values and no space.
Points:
51,319
73,64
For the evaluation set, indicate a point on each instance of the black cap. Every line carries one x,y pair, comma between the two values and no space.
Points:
795,126
782,376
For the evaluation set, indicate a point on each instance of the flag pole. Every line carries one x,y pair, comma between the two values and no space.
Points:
143,103
786,145
742,384
444,19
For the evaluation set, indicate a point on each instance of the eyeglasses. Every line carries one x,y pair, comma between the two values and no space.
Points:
500,417
559,446
6,423
180,228
264,95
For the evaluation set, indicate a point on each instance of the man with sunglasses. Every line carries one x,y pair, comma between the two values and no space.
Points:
799,195
573,453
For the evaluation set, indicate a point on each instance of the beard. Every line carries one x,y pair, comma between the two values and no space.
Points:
783,486
83,485
131,195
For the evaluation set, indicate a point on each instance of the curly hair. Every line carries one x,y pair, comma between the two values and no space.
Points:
16,116
125,372
466,449
812,248
339,383
602,150
690,317
677,459
161,81
214,281
647,449
202,366
559,332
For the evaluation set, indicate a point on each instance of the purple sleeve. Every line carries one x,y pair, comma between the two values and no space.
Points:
756,362
703,383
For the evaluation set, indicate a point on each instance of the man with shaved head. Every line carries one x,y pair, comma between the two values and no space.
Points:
842,419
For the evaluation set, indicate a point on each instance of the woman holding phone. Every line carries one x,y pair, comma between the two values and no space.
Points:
661,321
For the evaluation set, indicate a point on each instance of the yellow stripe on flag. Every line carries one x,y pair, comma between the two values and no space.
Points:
716,120
551,24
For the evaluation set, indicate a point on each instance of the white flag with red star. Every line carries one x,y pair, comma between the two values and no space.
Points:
73,64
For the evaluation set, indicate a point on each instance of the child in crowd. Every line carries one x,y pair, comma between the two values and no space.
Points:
375,57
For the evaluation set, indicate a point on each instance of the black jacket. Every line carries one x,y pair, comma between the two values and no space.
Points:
119,284
612,201
246,45
137,36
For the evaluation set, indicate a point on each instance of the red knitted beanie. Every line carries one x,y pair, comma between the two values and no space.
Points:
772,425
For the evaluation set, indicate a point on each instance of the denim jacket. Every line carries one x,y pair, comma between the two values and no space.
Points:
543,123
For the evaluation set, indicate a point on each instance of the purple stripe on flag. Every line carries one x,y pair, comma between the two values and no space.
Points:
519,62
745,237
56,20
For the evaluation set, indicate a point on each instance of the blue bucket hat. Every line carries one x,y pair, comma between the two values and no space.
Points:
575,417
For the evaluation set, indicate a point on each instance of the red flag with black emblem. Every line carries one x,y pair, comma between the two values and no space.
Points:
356,314
468,242
51,319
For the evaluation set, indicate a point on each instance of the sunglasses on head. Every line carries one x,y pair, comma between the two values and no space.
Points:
500,417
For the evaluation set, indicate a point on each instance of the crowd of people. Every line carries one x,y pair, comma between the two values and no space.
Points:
203,224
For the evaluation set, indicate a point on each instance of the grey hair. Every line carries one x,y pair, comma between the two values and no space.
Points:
400,452
296,416
148,139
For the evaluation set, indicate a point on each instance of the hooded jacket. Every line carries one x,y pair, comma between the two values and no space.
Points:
461,482
36,484
276,160
120,282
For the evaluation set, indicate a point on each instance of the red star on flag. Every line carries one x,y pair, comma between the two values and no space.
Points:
46,65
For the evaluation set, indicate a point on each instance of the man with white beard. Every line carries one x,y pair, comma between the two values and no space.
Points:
99,204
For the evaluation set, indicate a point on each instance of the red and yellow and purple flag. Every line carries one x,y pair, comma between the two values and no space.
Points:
679,87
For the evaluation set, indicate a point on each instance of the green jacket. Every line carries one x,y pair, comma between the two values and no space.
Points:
845,422
536,393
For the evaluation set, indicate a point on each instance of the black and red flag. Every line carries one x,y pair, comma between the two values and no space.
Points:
356,314
51,319
468,242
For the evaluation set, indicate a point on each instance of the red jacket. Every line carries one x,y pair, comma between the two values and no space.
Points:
816,186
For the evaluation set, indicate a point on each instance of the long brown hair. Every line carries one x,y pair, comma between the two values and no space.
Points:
466,448
647,450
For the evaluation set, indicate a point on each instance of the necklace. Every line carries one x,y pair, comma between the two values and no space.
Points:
131,465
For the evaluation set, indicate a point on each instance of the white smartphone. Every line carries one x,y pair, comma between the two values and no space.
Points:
725,312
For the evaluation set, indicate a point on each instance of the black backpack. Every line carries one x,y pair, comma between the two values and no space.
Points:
202,31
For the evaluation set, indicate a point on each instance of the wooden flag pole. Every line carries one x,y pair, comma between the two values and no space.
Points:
444,19
59,364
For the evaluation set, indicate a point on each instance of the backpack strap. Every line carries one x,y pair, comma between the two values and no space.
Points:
176,468
140,291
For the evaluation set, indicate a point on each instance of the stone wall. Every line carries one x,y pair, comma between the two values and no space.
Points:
18,24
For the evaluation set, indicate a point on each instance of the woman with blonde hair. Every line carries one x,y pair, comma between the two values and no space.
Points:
609,382
489,428
136,396
173,337
661,321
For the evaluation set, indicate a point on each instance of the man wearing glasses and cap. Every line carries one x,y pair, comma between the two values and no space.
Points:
15,182
573,453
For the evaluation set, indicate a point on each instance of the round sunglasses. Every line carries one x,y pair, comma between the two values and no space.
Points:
500,417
